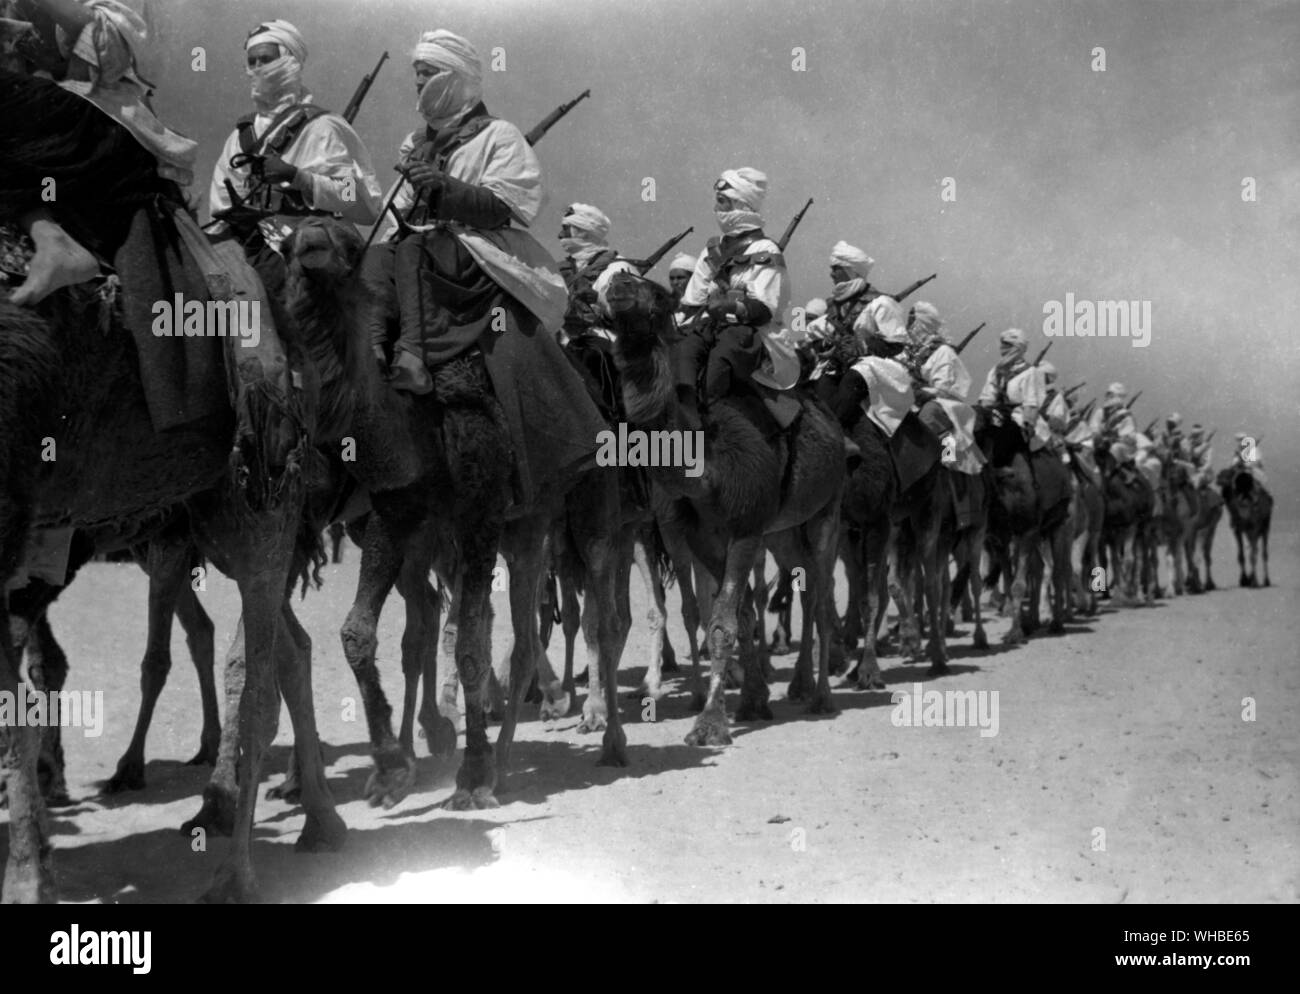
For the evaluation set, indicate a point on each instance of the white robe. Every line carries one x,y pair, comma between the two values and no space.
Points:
500,158
889,388
768,284
1026,389
335,174
111,46
947,376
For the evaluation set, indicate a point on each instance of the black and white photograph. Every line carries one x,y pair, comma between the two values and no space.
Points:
651,452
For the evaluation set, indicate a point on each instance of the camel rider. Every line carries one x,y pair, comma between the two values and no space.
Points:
1112,426
851,293
736,295
1247,455
879,382
589,265
1069,437
289,157
1170,442
679,275
83,129
942,385
1015,385
462,278
1197,451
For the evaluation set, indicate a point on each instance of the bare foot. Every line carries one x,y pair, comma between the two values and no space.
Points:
59,261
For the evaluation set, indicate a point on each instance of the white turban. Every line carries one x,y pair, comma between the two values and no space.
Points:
682,261
925,322
280,33
1016,339
1174,420
1197,429
747,185
591,220
1047,368
816,307
447,50
1117,390
852,257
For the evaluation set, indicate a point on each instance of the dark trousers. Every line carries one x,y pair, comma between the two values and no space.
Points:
728,354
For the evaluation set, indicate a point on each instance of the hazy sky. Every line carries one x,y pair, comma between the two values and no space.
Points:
1122,184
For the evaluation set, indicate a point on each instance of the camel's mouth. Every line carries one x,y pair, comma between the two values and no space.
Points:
312,248
623,293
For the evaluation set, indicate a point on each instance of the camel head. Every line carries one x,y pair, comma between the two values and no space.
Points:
326,248
641,313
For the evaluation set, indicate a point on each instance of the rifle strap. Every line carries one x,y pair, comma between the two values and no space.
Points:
282,132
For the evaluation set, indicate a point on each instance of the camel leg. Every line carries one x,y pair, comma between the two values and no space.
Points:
614,745
657,617
261,597
759,591
217,811
1263,539
710,726
167,566
791,553
525,551
1019,551
872,598
849,633
476,779
199,637
818,541
323,830
1206,544
933,555
904,590
29,876
1061,570
381,564
47,669
570,623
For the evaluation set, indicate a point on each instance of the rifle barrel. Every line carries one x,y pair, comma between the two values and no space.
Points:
1043,353
967,340
647,264
549,121
914,287
784,240
359,95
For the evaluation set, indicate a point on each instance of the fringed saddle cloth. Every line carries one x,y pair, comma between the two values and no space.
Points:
16,251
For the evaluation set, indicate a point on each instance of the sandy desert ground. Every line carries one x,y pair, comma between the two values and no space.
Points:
1131,723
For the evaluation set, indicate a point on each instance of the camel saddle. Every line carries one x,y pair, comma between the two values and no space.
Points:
915,450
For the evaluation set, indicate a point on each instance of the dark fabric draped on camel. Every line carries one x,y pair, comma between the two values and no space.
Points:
101,174
552,425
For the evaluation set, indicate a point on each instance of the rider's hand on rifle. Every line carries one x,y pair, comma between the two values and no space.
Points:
728,307
424,176
276,170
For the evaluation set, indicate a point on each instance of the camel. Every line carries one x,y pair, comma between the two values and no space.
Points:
1130,504
1250,511
438,472
1180,511
1207,522
751,491
81,395
1031,505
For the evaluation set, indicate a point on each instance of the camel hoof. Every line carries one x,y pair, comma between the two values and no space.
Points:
980,640
1056,627
216,816
1209,585
821,703
710,729
1267,582
781,648
322,833
615,751
129,776
391,780
441,738
592,721
207,754
873,682
479,799
938,669
697,702
838,659
230,888
289,791
668,664
1014,638
553,710
754,711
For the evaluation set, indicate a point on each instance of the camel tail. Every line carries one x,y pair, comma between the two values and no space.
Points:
658,553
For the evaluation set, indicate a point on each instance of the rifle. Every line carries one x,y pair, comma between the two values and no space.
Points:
1043,353
900,297
548,122
1082,415
784,240
354,105
1077,386
966,341
645,265
1147,430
